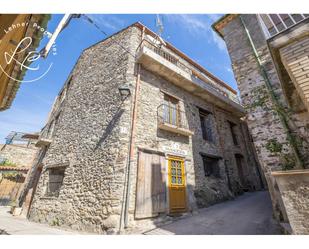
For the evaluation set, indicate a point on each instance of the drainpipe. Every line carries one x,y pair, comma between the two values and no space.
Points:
279,109
131,148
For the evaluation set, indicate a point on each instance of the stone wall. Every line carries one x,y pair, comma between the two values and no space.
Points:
202,191
19,154
295,57
264,123
91,138
294,188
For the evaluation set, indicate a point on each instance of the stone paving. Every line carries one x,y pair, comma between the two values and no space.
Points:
248,214
21,226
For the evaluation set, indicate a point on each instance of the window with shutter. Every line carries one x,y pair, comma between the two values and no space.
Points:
55,180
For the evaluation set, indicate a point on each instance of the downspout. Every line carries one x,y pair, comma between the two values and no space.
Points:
278,108
132,136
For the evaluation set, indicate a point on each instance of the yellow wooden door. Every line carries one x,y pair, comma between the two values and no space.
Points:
177,185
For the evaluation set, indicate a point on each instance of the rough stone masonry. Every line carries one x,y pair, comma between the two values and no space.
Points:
87,137
278,55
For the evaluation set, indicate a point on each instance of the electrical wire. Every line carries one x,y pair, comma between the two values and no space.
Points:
87,18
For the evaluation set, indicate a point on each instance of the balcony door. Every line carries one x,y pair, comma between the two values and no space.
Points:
171,110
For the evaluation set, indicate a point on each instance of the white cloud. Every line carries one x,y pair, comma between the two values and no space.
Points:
110,22
199,25
228,69
214,17
218,41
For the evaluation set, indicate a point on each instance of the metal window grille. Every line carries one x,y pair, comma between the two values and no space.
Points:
273,24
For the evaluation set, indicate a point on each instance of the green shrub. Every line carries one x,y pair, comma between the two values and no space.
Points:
7,163
273,146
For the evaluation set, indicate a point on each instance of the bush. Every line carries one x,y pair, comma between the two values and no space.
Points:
7,163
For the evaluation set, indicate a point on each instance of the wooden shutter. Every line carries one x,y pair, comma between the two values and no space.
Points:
151,187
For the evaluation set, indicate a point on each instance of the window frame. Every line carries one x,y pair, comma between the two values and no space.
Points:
232,127
207,132
181,162
172,104
56,193
211,170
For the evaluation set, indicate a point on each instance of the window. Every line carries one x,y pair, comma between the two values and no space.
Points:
233,132
275,23
211,166
55,181
171,110
176,168
206,125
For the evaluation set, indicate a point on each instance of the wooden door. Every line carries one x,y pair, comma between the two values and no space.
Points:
151,185
177,185
9,189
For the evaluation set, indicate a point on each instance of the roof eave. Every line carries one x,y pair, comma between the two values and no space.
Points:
15,84
219,24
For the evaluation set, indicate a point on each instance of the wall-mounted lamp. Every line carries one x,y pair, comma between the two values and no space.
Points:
124,91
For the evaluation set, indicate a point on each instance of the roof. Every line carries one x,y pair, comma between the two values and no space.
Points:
31,136
222,22
176,51
12,85
12,168
20,136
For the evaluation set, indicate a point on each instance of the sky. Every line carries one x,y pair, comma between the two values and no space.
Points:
192,34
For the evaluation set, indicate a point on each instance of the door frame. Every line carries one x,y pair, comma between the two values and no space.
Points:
169,158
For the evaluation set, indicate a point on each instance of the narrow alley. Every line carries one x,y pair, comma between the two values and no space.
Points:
248,214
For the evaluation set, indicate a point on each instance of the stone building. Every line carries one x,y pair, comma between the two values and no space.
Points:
270,60
138,134
16,158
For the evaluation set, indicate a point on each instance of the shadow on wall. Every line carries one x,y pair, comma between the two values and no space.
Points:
154,197
208,190
110,127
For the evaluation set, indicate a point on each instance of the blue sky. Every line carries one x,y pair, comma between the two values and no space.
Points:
192,34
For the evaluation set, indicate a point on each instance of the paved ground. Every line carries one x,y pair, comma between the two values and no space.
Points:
250,213
19,226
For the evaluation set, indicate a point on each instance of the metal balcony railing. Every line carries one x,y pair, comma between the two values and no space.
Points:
172,116
196,74
273,24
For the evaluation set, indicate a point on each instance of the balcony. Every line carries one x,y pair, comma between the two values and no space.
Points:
173,120
288,41
274,24
160,60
